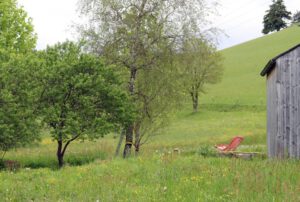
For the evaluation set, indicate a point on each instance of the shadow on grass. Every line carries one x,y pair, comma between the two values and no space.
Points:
37,162
226,108
232,107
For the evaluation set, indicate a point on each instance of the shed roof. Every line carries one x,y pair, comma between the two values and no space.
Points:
271,64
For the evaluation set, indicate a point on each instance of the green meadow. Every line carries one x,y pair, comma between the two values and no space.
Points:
242,83
236,106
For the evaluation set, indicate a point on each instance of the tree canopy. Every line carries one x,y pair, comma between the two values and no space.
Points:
276,17
200,64
141,39
17,33
18,124
80,98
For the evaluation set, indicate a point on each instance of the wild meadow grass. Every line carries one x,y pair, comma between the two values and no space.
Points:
162,177
158,173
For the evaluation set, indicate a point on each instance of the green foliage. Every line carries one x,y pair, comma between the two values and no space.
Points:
200,64
80,97
275,18
18,125
17,35
141,38
207,151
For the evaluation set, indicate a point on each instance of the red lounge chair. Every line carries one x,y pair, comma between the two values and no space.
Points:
235,142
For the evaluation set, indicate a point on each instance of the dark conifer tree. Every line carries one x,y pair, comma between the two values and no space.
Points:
276,16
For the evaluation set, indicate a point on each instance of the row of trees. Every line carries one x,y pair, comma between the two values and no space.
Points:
277,17
134,66
159,46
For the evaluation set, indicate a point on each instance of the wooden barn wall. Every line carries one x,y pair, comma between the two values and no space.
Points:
284,107
271,112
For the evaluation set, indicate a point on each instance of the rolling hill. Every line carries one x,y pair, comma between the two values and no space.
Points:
235,106
243,63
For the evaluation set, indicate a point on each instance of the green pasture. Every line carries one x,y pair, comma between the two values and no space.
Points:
242,83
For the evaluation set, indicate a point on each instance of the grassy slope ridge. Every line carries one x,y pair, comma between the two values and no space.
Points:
242,83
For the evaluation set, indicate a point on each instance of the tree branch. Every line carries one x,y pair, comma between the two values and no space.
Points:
67,144
4,152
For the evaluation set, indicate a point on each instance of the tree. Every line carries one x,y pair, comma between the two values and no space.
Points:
18,123
275,18
296,17
17,33
141,38
200,64
80,98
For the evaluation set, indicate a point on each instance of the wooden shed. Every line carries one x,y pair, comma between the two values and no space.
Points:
283,104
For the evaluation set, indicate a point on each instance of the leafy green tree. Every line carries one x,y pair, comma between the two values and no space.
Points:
200,64
141,38
80,97
296,17
275,18
16,33
17,126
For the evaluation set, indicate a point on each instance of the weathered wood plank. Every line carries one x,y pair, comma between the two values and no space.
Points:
297,102
271,112
293,109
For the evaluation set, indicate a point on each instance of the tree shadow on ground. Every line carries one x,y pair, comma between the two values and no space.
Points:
46,162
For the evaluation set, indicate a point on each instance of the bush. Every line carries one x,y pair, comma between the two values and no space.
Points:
207,151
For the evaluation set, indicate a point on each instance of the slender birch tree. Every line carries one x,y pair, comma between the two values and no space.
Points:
141,38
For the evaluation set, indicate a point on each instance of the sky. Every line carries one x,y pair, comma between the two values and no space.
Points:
239,20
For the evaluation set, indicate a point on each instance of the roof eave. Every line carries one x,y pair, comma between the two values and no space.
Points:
269,67
271,64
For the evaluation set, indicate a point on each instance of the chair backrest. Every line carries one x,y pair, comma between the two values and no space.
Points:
235,142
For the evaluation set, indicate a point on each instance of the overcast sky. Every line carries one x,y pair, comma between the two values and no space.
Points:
241,20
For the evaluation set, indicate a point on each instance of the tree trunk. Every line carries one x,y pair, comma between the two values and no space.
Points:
59,154
195,99
137,142
4,152
119,143
129,131
129,140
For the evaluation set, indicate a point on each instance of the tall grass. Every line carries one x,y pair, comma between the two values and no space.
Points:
163,177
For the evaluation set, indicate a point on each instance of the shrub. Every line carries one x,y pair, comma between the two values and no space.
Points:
207,151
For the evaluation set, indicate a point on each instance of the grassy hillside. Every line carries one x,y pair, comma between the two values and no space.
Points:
242,83
236,106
